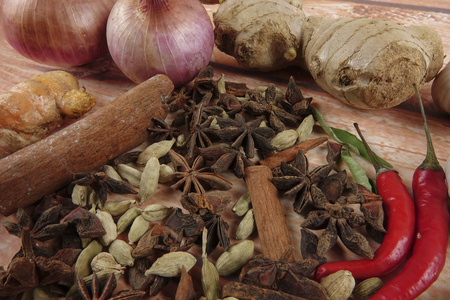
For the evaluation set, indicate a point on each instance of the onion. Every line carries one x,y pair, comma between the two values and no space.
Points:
56,32
440,90
149,37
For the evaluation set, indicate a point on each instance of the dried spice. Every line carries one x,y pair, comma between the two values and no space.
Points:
146,244
136,274
339,285
190,224
266,106
209,273
246,226
106,293
296,181
162,131
172,243
335,215
195,177
46,227
102,184
249,135
230,103
291,278
235,257
217,231
158,150
185,289
237,290
294,101
209,202
127,218
170,264
130,174
87,223
226,158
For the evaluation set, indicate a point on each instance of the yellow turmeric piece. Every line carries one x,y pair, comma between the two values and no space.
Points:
30,110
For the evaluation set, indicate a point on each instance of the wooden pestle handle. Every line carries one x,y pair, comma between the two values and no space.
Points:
46,166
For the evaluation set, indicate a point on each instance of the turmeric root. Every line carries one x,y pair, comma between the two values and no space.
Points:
32,108
366,63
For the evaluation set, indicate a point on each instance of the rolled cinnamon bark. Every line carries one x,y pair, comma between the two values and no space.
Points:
46,166
269,215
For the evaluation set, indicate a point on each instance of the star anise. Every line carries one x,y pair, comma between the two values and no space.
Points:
102,184
217,232
195,178
204,84
96,293
296,181
210,202
179,99
162,131
337,217
46,227
288,277
267,106
294,102
230,104
246,134
226,158
191,224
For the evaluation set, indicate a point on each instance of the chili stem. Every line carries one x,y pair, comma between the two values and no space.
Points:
376,164
430,162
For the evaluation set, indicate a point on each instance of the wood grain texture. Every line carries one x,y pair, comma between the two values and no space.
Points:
395,134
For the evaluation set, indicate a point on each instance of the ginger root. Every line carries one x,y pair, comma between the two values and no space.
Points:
30,110
366,63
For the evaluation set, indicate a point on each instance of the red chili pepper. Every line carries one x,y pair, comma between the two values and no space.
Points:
430,245
398,207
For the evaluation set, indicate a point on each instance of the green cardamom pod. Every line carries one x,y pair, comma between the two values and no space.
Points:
83,264
121,251
235,257
156,212
210,275
132,175
170,264
149,180
367,288
105,261
242,205
181,141
164,173
339,285
158,150
139,227
246,226
284,139
117,208
109,225
111,172
305,128
127,218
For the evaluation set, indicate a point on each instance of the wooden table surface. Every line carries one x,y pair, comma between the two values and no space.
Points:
396,134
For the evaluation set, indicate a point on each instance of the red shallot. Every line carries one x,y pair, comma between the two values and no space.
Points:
171,37
58,33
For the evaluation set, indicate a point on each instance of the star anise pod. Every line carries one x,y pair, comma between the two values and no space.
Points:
246,134
102,184
226,158
267,106
96,293
46,227
210,202
191,224
294,102
282,275
295,180
195,178
204,84
217,232
179,99
338,218
162,131
230,104
87,224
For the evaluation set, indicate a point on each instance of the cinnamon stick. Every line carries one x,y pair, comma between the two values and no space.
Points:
250,292
290,153
269,215
48,165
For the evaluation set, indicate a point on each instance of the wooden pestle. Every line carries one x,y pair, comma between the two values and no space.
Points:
46,166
